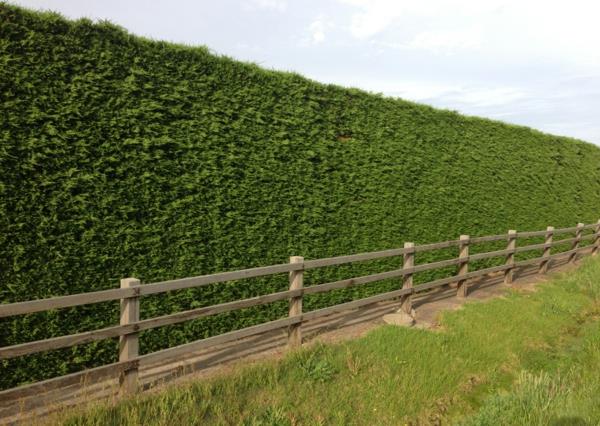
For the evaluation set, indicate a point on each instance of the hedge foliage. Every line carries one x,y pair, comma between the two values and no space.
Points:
122,156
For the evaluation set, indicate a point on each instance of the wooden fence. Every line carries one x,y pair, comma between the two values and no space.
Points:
130,292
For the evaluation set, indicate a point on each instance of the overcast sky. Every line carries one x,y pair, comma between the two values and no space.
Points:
527,62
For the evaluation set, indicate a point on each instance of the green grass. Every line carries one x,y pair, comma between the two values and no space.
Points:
529,358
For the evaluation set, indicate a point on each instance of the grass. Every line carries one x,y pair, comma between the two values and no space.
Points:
530,358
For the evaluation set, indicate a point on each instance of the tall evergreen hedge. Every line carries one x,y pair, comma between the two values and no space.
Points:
121,156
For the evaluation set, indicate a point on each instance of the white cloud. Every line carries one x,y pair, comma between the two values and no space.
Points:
375,16
439,41
317,30
278,5
550,28
447,41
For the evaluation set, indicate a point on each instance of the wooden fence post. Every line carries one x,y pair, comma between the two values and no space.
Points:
596,240
463,266
510,258
296,283
407,280
575,246
549,235
129,343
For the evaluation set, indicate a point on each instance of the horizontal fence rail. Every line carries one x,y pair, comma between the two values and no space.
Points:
131,291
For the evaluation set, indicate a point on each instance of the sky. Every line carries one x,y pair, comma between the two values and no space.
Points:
529,62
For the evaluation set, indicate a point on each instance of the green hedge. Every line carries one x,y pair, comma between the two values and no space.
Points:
121,156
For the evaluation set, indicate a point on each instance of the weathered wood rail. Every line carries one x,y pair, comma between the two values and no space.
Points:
132,290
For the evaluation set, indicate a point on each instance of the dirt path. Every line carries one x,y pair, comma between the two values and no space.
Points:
334,328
